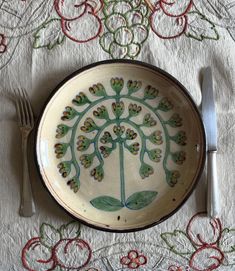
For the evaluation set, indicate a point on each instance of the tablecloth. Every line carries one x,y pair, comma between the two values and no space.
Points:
43,41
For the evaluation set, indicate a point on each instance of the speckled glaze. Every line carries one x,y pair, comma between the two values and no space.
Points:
120,145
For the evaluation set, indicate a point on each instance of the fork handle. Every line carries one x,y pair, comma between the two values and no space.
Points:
27,206
213,204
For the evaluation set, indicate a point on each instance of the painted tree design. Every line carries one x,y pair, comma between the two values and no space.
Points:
119,131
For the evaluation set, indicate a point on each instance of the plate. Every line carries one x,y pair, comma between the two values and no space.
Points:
120,145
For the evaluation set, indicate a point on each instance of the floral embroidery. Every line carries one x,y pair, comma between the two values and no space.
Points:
133,260
204,246
54,248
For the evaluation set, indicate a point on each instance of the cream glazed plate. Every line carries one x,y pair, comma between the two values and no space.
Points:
120,145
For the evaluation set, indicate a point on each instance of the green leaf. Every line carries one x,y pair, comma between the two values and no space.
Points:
149,121
81,99
155,155
83,143
107,203
49,35
145,170
101,113
200,28
61,149
117,84
140,200
134,110
178,242
98,173
70,230
118,108
150,92
133,86
74,184
69,113
165,105
105,151
227,240
64,168
98,90
49,236
133,148
62,130
87,160
175,120
89,125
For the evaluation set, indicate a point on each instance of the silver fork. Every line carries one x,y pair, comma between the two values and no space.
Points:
26,124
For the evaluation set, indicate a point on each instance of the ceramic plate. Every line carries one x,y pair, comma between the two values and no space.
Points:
120,145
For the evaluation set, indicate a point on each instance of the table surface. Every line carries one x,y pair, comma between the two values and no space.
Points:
41,42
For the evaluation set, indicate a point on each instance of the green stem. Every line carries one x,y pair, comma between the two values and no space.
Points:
122,177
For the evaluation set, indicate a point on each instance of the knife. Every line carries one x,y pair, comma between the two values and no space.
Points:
209,119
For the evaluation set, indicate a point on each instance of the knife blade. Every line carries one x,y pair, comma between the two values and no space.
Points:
210,123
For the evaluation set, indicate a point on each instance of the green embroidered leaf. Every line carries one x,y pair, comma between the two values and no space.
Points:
180,138
60,149
145,170
98,90
89,126
175,120
156,138
81,99
62,130
49,236
165,105
178,242
87,160
101,113
134,110
179,157
69,113
49,35
133,148
118,108
133,86
155,155
98,173
83,143
150,92
227,241
140,200
64,168
74,184
117,84
172,177
200,28
70,230
106,203
149,121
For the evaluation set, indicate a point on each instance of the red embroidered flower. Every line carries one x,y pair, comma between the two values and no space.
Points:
133,260
3,45
79,20
177,268
169,18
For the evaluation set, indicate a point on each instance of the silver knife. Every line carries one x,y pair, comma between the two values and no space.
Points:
209,119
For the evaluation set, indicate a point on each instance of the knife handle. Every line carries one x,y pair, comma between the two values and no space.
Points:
213,204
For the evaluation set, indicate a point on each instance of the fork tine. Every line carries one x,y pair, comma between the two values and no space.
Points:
18,110
30,110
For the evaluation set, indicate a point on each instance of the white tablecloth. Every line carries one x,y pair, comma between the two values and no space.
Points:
43,41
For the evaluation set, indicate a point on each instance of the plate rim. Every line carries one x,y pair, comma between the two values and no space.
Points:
140,64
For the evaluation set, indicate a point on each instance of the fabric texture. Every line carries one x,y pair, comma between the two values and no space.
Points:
41,42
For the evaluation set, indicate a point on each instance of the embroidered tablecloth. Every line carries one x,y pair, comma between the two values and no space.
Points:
43,41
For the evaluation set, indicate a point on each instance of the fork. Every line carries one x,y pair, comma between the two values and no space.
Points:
26,124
